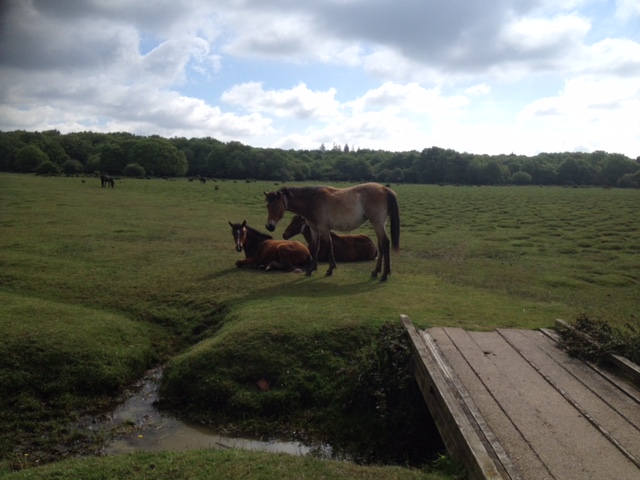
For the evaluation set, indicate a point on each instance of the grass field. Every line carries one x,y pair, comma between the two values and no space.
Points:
100,284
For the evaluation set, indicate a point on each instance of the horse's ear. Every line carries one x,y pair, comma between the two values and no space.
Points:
244,223
231,224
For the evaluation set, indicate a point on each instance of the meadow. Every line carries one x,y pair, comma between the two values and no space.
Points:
99,284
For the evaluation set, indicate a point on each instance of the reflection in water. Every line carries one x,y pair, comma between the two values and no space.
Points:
156,431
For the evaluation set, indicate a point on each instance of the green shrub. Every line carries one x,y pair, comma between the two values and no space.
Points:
47,168
71,167
28,158
380,414
521,178
621,340
134,170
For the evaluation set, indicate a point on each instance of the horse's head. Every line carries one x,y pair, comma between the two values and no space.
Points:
239,232
297,225
276,206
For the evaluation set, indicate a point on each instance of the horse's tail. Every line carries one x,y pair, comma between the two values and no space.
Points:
394,212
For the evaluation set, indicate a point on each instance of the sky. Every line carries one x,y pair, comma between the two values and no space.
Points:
478,76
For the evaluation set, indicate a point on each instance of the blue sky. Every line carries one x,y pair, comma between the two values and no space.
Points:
497,76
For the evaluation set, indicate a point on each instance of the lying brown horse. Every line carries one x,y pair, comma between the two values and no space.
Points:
262,251
329,208
346,248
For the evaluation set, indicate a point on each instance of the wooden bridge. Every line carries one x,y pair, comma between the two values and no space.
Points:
509,404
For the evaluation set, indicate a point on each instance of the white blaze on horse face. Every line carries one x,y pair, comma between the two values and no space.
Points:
240,235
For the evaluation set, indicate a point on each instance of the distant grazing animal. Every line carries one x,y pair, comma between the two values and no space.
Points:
107,180
262,251
346,248
203,179
341,209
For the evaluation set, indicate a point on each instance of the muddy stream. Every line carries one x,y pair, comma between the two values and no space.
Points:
148,429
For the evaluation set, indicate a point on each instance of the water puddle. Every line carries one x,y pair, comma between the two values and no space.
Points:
147,429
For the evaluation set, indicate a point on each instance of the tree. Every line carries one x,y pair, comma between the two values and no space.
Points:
77,147
71,167
541,168
574,171
353,168
28,158
134,170
613,167
521,178
629,180
51,144
159,157
47,168
113,158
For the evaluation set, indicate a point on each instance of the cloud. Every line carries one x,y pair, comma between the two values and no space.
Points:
411,98
627,9
299,102
376,73
540,36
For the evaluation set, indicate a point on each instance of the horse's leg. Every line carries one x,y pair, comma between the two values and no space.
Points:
383,253
274,265
247,262
332,258
314,249
387,258
376,270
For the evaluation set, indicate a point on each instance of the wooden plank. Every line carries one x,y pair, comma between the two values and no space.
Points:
626,366
549,423
581,394
510,446
624,398
459,434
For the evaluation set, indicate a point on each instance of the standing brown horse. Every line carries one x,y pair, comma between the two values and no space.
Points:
262,251
346,248
329,208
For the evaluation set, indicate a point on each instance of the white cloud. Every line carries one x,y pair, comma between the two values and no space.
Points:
591,113
628,9
360,72
410,98
536,35
480,89
299,102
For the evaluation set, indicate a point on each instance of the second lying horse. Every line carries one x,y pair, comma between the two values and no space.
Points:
346,248
262,251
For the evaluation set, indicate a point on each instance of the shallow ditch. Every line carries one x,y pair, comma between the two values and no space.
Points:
139,426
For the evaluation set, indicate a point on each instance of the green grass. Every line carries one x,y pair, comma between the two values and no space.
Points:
208,464
115,280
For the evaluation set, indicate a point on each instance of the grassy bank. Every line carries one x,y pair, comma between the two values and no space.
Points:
103,283
206,464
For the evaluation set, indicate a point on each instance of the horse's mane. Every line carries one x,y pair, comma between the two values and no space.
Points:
257,233
294,190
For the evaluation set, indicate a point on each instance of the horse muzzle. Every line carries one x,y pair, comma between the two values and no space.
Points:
238,248
271,226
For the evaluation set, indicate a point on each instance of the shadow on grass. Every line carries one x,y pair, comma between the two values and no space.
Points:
297,284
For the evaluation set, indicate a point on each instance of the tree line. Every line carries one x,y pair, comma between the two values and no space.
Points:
51,153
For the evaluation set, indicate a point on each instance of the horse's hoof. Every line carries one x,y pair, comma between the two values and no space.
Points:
374,274
383,278
329,273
